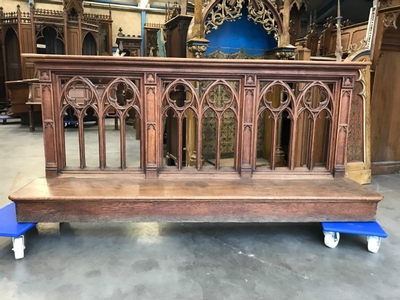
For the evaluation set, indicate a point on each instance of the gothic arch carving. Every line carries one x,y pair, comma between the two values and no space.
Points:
217,12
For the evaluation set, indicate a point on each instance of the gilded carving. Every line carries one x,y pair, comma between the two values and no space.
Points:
197,49
226,10
354,47
260,13
389,19
237,55
230,10
284,55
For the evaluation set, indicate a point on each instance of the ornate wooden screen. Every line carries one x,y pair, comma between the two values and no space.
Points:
299,110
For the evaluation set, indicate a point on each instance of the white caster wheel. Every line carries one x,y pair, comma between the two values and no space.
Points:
331,239
374,242
18,247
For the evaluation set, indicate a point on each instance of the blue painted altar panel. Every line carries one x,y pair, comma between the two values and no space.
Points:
243,34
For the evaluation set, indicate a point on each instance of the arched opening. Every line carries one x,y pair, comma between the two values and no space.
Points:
89,46
49,41
13,60
248,36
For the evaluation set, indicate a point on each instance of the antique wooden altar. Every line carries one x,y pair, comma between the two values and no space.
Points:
314,100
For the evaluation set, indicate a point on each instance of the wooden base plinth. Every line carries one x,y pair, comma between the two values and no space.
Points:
201,200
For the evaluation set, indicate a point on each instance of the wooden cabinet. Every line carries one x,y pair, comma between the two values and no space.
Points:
177,29
130,45
44,31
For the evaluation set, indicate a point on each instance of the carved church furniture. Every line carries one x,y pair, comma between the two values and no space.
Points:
131,45
352,37
10,227
385,122
153,191
176,35
67,31
20,92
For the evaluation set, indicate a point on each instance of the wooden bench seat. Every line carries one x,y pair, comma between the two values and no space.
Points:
194,200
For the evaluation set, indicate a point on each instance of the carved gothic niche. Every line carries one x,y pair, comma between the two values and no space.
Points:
264,12
299,4
73,7
300,20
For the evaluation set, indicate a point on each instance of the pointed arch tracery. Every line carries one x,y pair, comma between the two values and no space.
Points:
263,12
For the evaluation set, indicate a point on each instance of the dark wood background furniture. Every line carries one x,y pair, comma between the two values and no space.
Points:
44,31
309,187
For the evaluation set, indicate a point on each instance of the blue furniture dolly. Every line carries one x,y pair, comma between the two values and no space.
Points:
372,230
11,228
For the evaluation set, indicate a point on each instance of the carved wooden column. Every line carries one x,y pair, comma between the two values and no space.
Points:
339,49
345,96
358,165
152,126
198,44
302,133
285,35
248,126
50,121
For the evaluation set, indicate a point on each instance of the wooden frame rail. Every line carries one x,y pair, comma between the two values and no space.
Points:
188,89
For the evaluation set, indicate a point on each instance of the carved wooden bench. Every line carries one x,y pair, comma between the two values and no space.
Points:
293,116
194,200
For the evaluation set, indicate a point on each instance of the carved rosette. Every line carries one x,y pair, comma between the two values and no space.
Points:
348,82
44,76
250,80
150,78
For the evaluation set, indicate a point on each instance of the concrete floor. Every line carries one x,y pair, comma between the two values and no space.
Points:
189,261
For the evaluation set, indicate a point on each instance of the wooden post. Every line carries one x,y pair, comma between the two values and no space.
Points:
285,36
339,50
345,97
151,136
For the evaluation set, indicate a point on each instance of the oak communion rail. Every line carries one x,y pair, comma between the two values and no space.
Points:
247,140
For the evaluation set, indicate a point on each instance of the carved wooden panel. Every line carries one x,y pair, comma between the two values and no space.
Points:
221,105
